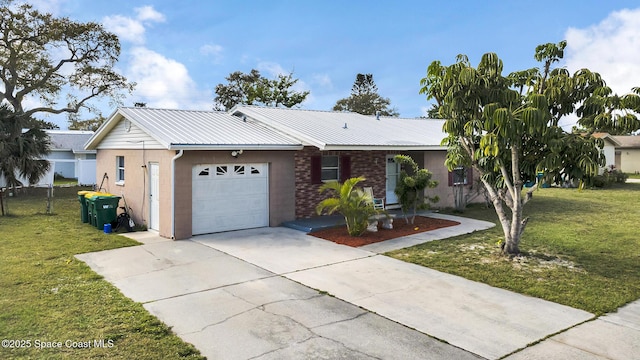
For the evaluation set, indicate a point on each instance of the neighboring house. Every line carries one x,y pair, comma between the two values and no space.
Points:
609,150
627,154
185,173
68,157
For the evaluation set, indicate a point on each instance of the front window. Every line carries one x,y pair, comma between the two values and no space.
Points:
120,169
460,176
330,169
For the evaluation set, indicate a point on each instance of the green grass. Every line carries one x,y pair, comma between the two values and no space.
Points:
48,295
633,176
60,181
580,248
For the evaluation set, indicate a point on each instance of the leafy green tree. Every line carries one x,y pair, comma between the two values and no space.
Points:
42,56
21,152
350,201
411,185
253,88
506,127
87,125
364,99
434,112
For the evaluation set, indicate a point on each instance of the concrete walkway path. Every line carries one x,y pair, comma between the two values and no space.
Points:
274,293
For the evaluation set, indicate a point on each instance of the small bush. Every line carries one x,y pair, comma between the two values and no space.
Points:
599,181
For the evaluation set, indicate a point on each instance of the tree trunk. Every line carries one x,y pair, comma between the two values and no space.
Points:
512,228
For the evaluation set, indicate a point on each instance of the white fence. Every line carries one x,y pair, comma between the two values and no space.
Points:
86,172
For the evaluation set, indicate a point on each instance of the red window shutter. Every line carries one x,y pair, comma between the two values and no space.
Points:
316,169
470,176
450,178
345,168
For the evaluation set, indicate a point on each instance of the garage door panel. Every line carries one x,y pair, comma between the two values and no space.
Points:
229,197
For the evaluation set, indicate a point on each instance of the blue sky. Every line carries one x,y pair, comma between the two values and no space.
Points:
178,51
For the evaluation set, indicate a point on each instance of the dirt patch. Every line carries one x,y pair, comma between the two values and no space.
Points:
400,228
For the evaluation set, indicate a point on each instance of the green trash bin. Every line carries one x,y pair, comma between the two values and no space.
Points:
105,209
84,209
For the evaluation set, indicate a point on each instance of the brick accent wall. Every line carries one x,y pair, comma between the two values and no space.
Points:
369,164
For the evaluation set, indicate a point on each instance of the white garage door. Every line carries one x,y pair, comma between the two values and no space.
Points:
229,197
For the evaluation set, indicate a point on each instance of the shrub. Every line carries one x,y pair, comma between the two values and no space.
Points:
352,202
410,187
599,181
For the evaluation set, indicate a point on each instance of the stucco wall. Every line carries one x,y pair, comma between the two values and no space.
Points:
281,183
630,160
136,185
434,162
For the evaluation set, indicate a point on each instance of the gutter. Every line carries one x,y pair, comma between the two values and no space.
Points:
173,192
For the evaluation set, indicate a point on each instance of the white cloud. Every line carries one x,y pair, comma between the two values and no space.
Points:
149,14
47,6
126,28
611,48
323,80
133,29
273,69
212,50
164,83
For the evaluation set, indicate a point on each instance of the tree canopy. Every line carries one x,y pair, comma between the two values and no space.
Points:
506,127
42,57
364,99
255,89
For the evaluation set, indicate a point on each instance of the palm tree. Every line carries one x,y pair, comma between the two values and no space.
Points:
21,151
352,202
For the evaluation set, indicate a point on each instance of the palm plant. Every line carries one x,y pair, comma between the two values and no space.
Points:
350,201
21,151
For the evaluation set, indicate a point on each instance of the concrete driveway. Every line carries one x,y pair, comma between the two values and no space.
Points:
274,293
231,309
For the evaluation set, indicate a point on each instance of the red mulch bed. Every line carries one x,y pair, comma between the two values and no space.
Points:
400,228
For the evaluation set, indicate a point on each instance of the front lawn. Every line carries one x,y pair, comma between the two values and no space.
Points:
580,248
49,298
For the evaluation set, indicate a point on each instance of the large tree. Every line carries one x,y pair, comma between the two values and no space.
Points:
506,127
364,99
44,57
255,89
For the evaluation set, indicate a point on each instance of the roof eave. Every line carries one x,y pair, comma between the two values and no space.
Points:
232,147
385,147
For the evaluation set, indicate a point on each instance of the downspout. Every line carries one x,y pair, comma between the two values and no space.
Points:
173,192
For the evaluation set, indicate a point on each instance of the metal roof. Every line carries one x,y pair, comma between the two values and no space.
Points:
330,130
68,140
628,142
192,129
